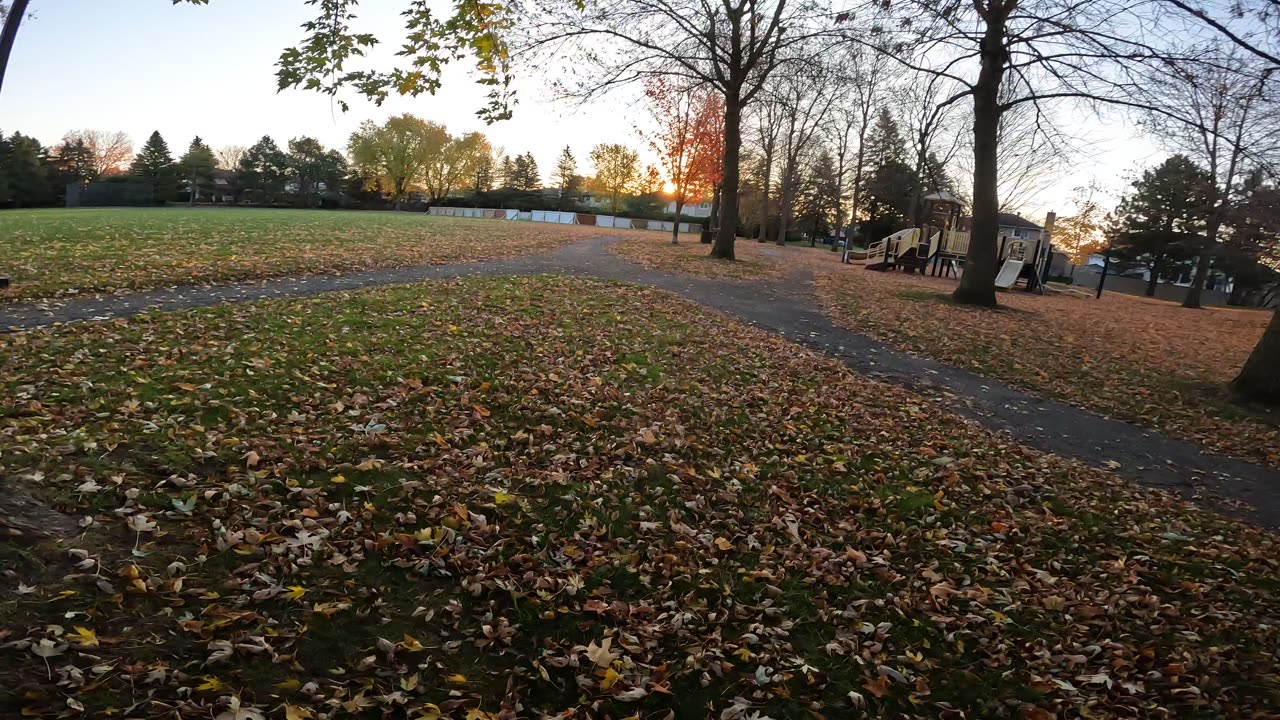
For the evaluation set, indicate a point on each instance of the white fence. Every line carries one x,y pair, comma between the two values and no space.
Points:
565,218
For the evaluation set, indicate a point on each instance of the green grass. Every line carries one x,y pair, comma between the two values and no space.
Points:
438,495
59,252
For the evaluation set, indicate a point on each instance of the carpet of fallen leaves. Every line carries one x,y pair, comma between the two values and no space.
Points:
1145,361
62,252
541,497
654,250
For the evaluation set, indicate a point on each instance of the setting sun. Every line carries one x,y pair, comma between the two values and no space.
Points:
668,186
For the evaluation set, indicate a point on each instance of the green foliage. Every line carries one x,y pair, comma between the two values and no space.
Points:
197,167
524,173
1165,215
312,170
262,172
396,153
24,172
155,165
323,60
617,170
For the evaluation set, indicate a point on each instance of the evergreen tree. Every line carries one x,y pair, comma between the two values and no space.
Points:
74,162
507,172
262,171
565,175
524,174
1165,216
155,165
884,142
818,197
197,169
27,168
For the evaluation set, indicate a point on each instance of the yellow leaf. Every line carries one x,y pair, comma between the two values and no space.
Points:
456,679
290,684
211,684
337,479
411,644
502,498
429,712
85,637
296,712
409,683
295,593
724,544
610,677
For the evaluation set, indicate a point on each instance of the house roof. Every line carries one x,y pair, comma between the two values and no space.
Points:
1017,221
1009,220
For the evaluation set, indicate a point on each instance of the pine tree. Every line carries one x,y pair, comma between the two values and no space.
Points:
565,176
526,173
884,142
26,168
262,171
507,172
1164,217
154,164
74,161
197,169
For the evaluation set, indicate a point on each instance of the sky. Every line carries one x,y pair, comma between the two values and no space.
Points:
144,65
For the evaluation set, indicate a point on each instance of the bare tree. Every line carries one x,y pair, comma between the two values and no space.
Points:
860,85
733,46
1232,128
768,123
804,107
934,136
111,151
229,156
1007,53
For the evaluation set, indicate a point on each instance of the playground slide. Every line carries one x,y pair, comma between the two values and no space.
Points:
1009,274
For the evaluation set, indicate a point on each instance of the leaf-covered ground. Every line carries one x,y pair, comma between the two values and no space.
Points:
56,252
541,497
690,257
1146,361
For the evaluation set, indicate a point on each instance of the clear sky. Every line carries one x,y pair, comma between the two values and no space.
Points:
144,65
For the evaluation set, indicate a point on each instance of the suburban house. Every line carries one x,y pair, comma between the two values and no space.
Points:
1011,225
692,209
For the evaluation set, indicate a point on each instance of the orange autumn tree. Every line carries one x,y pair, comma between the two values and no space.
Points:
689,140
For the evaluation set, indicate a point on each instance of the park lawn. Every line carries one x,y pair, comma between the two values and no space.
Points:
1149,362
51,253
531,497
690,257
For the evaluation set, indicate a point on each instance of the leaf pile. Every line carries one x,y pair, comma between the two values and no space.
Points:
61,252
1149,362
543,497
689,257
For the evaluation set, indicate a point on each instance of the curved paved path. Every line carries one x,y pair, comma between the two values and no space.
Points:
1234,487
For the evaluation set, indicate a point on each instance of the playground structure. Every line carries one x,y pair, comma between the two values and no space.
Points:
941,250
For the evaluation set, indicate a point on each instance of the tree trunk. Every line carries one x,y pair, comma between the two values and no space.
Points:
1155,276
978,283
675,222
784,213
1259,381
763,234
723,247
717,190
1202,263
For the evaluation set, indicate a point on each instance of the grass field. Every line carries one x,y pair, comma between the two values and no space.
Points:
1145,361
533,497
55,252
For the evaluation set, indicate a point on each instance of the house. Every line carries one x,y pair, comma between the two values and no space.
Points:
692,209
1012,225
